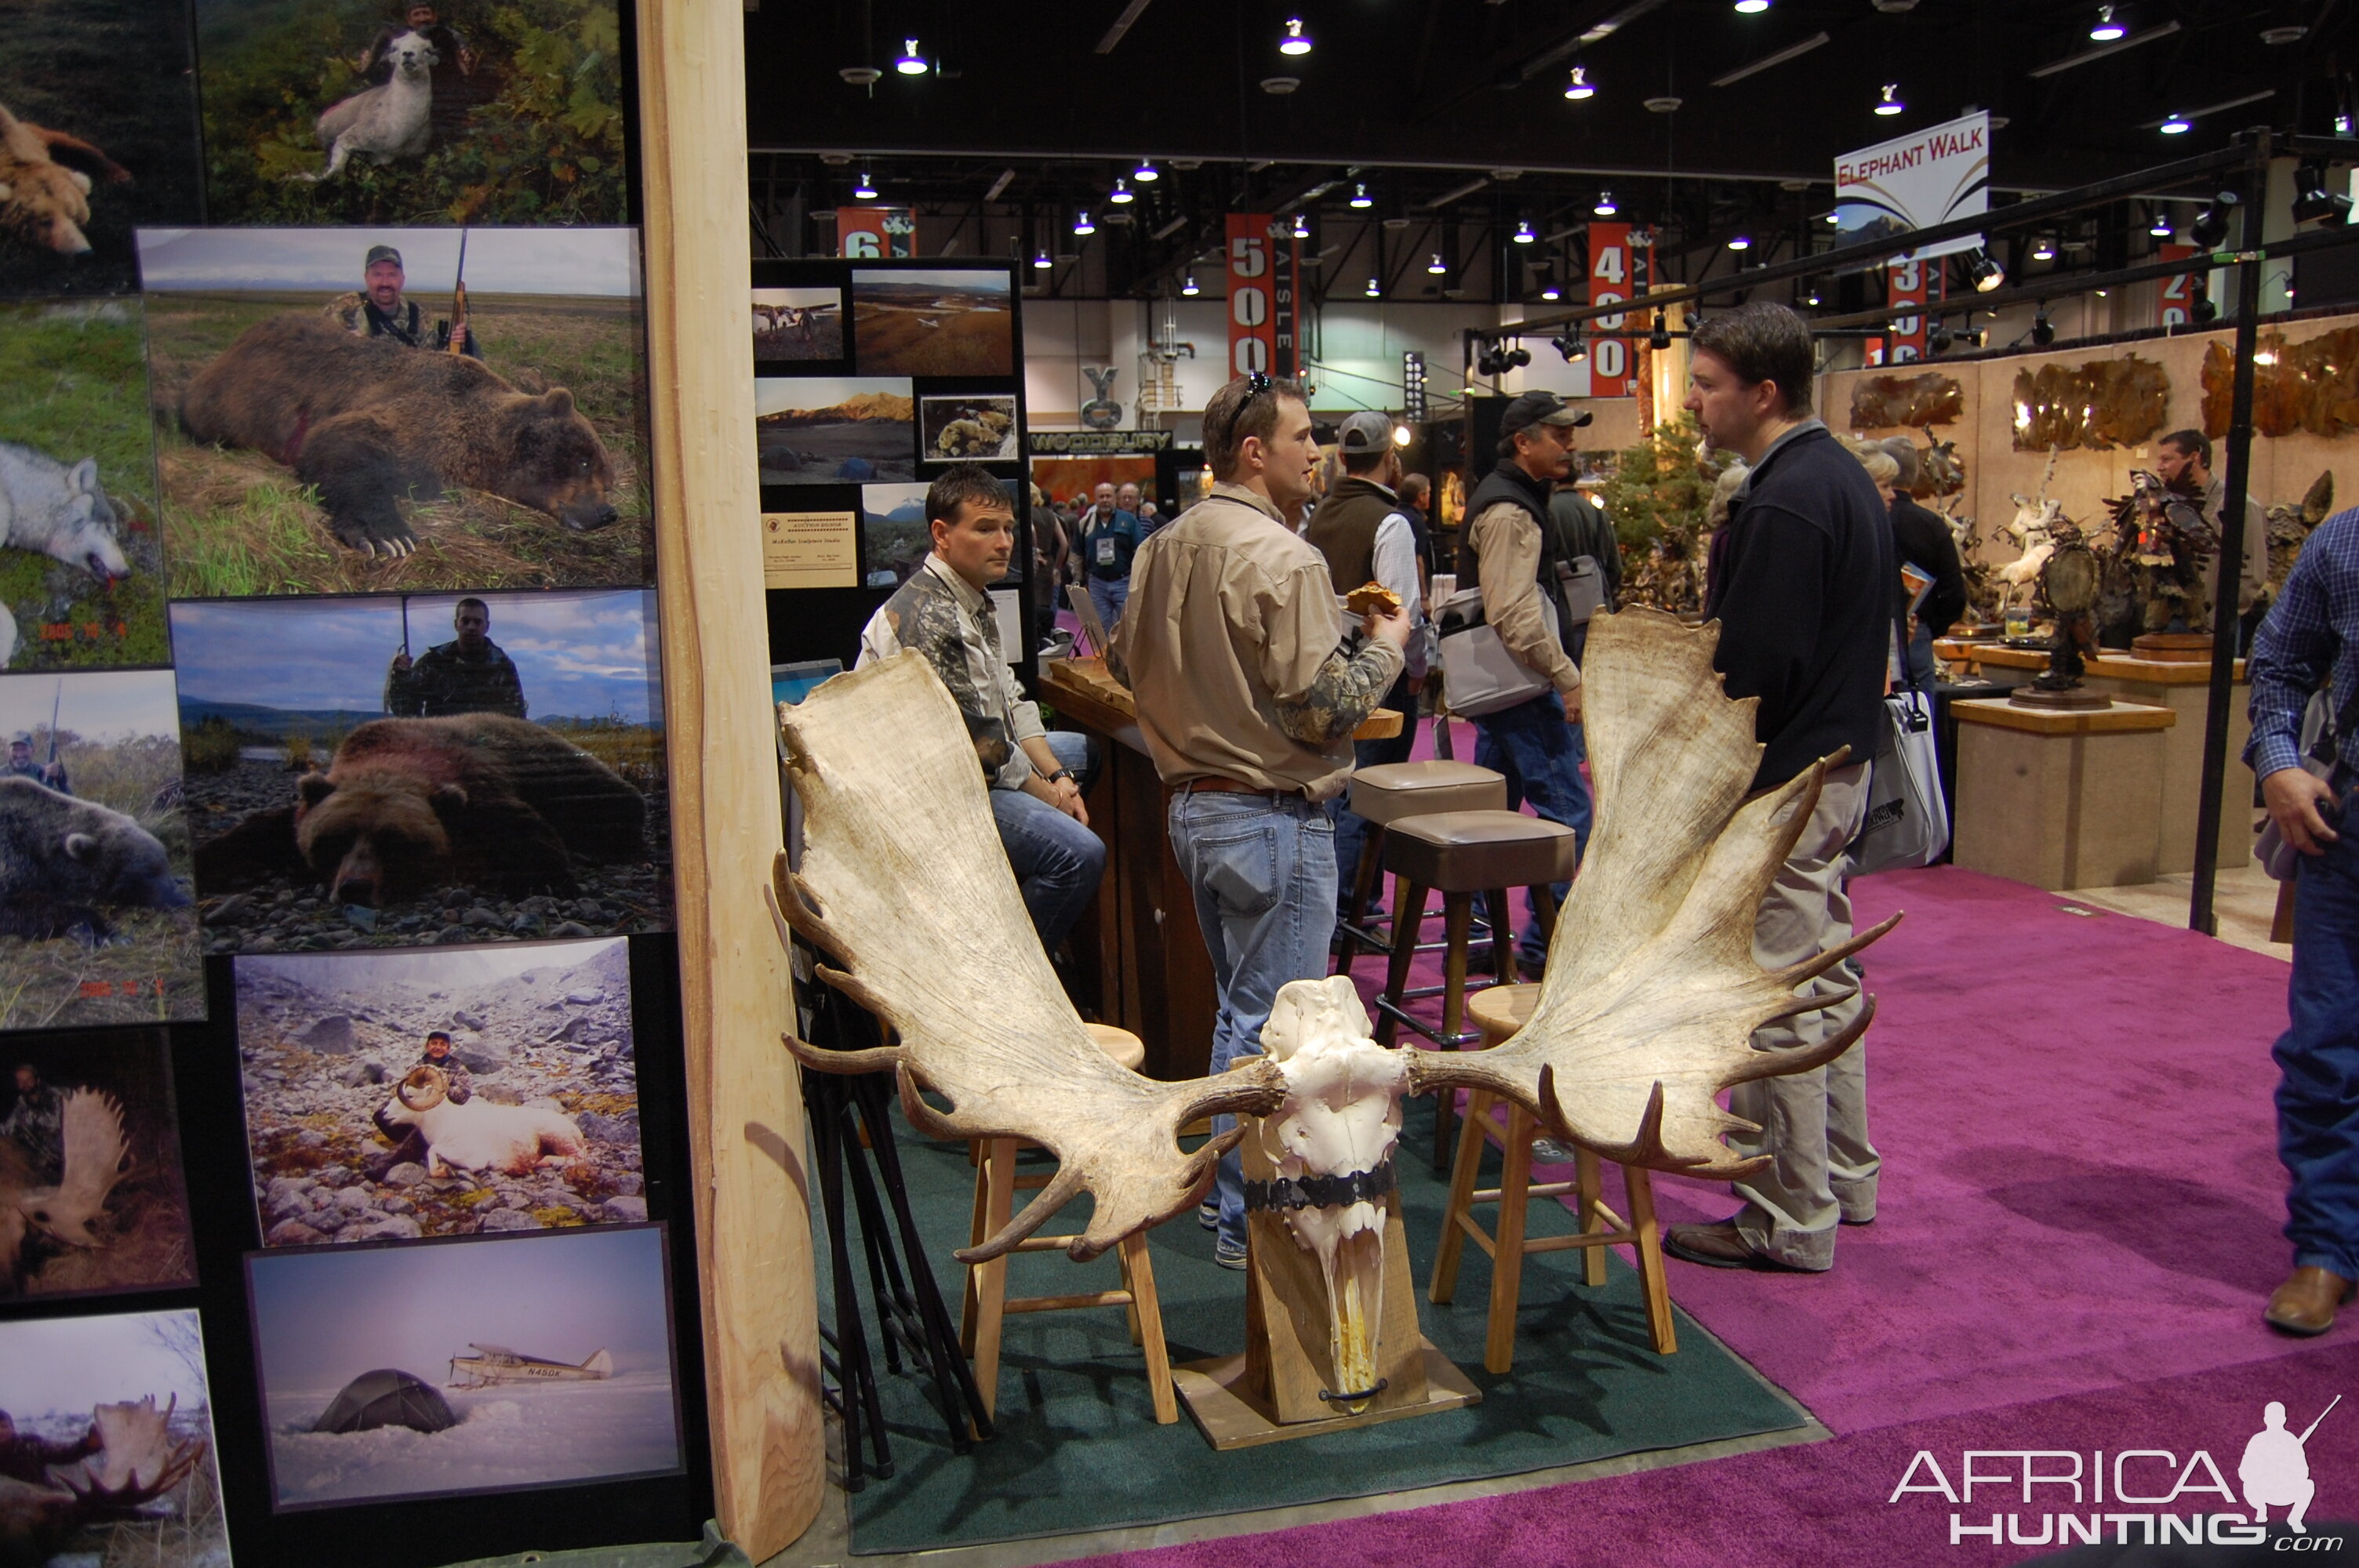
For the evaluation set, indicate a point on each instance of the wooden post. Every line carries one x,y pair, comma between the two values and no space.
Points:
753,1229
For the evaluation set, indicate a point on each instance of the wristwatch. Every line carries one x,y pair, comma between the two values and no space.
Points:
1061,774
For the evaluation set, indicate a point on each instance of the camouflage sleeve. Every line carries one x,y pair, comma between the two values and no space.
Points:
929,623
401,692
1344,693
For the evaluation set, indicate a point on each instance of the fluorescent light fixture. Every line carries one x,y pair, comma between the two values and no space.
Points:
1580,87
1791,51
1524,235
1121,195
1187,286
910,63
1890,104
864,188
2106,28
1081,224
1295,41
1146,173
2162,31
1361,199
1606,208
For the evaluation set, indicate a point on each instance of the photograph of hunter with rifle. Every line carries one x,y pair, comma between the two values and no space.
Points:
484,429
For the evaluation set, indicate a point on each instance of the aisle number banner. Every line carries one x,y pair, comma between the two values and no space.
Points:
2180,289
862,232
1610,278
1264,265
1904,295
1914,182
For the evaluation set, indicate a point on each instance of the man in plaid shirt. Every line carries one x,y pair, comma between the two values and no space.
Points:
2312,640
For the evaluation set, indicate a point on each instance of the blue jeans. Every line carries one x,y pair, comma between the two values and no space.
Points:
1540,756
1108,597
1263,868
1350,827
2318,1093
1056,860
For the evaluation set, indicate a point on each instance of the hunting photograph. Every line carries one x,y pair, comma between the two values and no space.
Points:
97,924
798,324
346,410
391,1096
84,158
106,1444
834,429
409,771
81,559
951,321
477,1365
91,1199
381,112
895,537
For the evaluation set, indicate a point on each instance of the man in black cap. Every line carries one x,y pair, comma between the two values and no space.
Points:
438,1056
20,766
1513,553
471,674
1362,528
386,314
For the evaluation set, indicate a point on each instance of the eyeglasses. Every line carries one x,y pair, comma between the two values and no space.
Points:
1255,384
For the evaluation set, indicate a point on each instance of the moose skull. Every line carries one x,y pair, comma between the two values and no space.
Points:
1332,1144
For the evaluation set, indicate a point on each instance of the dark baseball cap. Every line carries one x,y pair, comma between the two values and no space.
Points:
1540,408
1367,431
382,253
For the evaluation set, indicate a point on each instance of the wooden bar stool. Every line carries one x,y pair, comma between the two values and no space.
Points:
1499,1012
1385,795
983,1314
1462,853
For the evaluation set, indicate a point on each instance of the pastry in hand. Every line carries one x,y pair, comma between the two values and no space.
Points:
1372,599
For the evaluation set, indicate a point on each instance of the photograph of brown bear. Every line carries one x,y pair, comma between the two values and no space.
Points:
318,432
96,923
91,1195
356,797
98,133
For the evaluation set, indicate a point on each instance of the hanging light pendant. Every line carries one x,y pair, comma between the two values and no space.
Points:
1890,104
1294,42
1580,87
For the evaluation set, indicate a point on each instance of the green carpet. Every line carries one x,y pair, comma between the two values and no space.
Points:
1076,1447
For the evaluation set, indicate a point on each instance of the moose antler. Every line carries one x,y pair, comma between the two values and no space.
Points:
1652,996
96,1158
894,812
138,1462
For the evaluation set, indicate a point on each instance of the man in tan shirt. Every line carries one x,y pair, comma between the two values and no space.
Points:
1511,549
1233,645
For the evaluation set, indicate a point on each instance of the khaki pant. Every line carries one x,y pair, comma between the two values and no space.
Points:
1813,1125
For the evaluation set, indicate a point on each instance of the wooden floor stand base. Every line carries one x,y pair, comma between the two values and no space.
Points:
1216,1393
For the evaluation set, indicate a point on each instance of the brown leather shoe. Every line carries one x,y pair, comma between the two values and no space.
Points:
2305,1303
1722,1245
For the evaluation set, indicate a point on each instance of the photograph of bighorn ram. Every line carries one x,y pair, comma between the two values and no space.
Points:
477,1135
1646,1012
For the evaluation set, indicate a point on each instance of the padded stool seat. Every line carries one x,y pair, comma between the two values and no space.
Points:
1390,791
1474,851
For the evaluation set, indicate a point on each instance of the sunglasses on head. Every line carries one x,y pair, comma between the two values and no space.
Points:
1256,384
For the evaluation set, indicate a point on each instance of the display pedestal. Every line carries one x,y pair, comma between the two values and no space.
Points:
2060,799
2072,699
2173,647
1221,1398
2185,690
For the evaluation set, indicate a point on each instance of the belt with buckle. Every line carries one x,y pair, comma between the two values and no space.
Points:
1217,785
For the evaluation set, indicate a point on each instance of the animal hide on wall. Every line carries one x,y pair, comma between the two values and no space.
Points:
2098,405
2311,386
1890,402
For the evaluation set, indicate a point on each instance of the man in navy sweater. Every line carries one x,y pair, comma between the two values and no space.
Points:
1803,595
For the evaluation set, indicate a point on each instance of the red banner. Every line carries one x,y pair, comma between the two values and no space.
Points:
863,232
1905,295
1610,283
1265,267
2180,290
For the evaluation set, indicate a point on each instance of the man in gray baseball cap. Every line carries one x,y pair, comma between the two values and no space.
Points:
384,313
1363,531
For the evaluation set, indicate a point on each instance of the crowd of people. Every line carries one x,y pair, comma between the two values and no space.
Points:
1828,583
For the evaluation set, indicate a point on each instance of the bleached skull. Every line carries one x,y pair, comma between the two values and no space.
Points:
1332,1144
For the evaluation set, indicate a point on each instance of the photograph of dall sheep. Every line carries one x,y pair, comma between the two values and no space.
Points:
91,1199
97,921
411,771
488,1364
333,414
106,1444
391,1096
85,155
81,558
365,111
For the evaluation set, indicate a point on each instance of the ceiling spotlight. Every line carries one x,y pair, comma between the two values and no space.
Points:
1573,343
1580,87
2210,225
2176,125
2106,29
1041,259
2200,304
1301,226
2343,124
1937,340
1519,356
2043,248
1741,243
1659,337
1146,173
1986,273
2043,330
1606,208
864,188
1889,104
1523,235
2312,202
1376,288
1187,286
1121,195
1436,266
1081,224
1401,435
911,64
1359,197
1295,41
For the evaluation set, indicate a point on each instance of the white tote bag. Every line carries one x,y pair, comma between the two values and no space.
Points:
1479,675
1908,822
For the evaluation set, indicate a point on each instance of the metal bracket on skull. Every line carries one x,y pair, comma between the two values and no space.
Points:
1321,1191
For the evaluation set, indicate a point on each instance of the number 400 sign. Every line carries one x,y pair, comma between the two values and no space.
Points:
1610,281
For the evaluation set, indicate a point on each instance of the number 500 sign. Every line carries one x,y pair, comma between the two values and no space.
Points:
1263,263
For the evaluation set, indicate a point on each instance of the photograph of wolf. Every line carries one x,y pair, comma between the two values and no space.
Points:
391,1096
106,1444
81,559
378,111
423,769
91,1195
97,924
351,410
85,156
